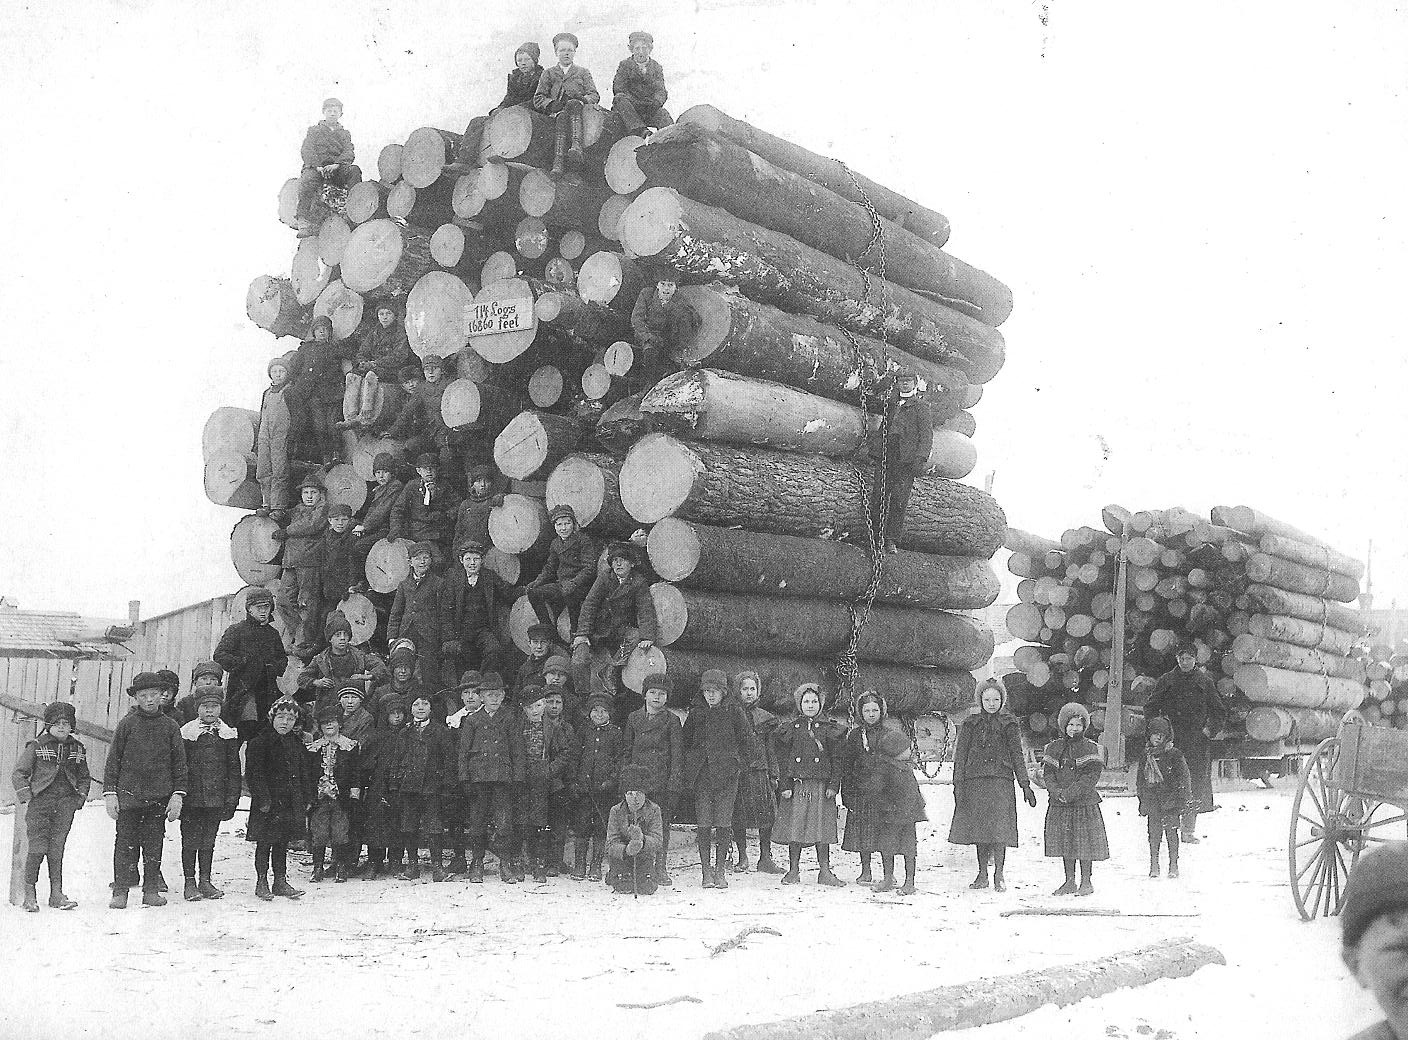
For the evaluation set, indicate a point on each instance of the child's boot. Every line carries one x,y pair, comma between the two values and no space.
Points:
594,870
999,861
765,860
151,896
579,860
261,889
721,848
192,892
740,862
1153,859
823,871
706,868
160,885
559,154
888,883
283,888
864,877
31,898
574,148
119,898
1173,856
476,869
794,865
205,859
207,890
457,865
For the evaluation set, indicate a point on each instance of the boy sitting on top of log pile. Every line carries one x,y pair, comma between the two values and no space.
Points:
328,157
563,91
638,89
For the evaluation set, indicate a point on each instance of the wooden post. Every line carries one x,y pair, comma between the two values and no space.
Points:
1113,736
19,852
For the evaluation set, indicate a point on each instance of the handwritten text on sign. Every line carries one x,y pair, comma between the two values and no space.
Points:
494,316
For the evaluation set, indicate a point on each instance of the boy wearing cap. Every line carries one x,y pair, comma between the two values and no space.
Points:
638,89
904,457
339,568
617,613
328,157
321,679
523,80
542,647
475,599
560,803
717,739
425,767
381,802
280,774
420,422
491,765
568,573
662,322
170,687
424,511
563,92
337,770
417,613
1188,698
252,654
472,514
52,777
144,785
636,836
204,676
271,468
547,756
318,387
460,704
402,682
376,513
654,740
302,571
213,789
601,746
1164,791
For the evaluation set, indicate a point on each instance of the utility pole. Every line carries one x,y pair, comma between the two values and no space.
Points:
1112,739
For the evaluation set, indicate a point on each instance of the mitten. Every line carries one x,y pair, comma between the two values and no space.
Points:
110,800
173,808
633,847
1030,796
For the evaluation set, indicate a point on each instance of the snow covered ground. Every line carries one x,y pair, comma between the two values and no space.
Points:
412,960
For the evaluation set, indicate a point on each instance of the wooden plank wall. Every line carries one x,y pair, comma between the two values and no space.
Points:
36,679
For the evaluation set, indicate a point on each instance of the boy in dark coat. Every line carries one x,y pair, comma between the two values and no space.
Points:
213,789
321,678
302,564
601,747
1188,698
52,777
542,646
339,568
279,771
661,322
475,599
417,614
636,835
337,772
560,802
144,784
905,456
328,158
491,766
425,766
402,682
756,805
654,740
382,348
618,614
425,509
523,80
399,400
357,721
376,513
318,387
472,514
381,825
204,676
1374,928
547,758
252,654
638,89
273,441
420,422
1164,790
717,738
569,571
563,92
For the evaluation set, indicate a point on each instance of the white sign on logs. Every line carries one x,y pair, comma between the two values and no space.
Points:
495,316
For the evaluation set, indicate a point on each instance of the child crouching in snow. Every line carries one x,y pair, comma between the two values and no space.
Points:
1165,789
634,837
1075,828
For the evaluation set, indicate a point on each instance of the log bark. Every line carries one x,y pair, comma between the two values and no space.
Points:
715,171
1295,577
523,135
518,524
466,404
1302,633
612,279
753,339
830,173
564,309
568,202
426,153
367,201
719,559
1017,540
386,257
344,306
1252,649
1256,524
435,310
532,441
702,241
1264,684
229,430
621,424
332,239
434,204
908,691
388,163
308,275
1303,725
623,172
388,564
1317,556
780,493
609,219
589,482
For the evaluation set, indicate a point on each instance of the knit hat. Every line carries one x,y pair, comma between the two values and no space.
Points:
329,713
1377,885
171,680
207,694
393,702
557,663
384,462
206,668
634,778
532,692
58,711
531,49
491,681
337,622
564,36
146,681
339,509
874,697
1070,711
713,677
402,655
426,548
281,361
658,681
640,34
321,321
470,545
285,705
542,631
352,688
1159,724
562,510
409,373
310,482
600,699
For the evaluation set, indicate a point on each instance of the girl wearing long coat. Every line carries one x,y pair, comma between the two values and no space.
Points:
278,770
988,766
756,805
881,796
807,749
1075,828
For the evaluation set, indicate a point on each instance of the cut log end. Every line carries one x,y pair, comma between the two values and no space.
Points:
658,478
447,245
388,164
580,483
545,386
673,548
623,173
648,226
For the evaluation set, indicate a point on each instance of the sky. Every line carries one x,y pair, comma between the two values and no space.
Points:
1198,207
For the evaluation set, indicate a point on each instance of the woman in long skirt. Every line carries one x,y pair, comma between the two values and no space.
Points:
807,747
988,766
881,796
1075,828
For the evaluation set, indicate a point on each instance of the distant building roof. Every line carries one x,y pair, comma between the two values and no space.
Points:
54,633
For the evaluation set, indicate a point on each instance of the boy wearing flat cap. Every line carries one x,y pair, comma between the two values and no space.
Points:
417,614
213,789
542,647
661,321
420,423
491,766
328,158
635,837
563,92
1375,929
339,568
144,786
318,387
569,571
52,777
654,741
638,90
425,509
204,676
475,598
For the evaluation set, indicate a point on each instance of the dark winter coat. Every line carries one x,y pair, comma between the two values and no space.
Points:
457,607
346,768
325,144
337,556
328,665
386,690
1191,704
253,657
657,743
532,667
551,772
571,563
600,750
613,605
213,767
421,414
661,324
1070,769
376,514
417,613
304,534
384,351
42,761
910,439
878,777
807,749
717,741
147,760
379,762
472,517
762,758
491,748
277,770
556,87
650,822
522,85
358,726
317,370
425,760
990,746
1173,794
412,518
641,85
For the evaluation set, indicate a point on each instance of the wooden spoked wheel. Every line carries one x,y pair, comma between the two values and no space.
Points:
1330,829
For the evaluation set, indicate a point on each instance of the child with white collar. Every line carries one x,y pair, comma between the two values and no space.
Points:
213,763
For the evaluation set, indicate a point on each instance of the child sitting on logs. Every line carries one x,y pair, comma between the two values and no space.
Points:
1165,790
882,798
340,570
807,749
638,90
420,422
618,614
425,512
474,599
523,80
635,838
568,572
382,349
472,514
328,156
756,805
661,322
340,663
1075,828
563,92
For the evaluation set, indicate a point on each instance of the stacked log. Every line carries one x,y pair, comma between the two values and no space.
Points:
1267,609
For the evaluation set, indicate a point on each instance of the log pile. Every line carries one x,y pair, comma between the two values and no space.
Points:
1268,609
748,468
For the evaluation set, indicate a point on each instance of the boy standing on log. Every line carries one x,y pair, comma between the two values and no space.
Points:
1374,925
275,430
424,511
52,776
567,576
563,92
417,614
904,457
302,573
253,655
328,158
318,387
618,614
474,598
1188,698
638,90
661,322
